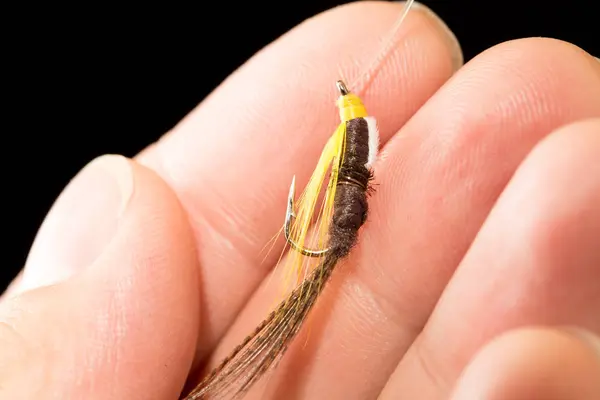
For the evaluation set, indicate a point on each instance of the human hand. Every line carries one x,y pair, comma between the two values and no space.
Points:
486,219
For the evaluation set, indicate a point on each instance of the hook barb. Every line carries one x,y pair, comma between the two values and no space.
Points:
289,215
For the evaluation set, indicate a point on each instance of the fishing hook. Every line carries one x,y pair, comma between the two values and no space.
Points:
289,214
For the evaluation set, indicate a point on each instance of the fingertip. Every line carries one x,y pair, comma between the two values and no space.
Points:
135,306
81,222
532,363
156,294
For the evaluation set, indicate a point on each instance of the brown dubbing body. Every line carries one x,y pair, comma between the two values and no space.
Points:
350,205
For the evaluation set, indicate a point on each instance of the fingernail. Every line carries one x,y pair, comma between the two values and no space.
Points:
456,50
81,223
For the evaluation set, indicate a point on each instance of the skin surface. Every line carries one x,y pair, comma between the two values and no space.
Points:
476,276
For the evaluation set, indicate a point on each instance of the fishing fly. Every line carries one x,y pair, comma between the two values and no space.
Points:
344,170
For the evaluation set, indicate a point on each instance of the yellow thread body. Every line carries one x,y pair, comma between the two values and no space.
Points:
350,106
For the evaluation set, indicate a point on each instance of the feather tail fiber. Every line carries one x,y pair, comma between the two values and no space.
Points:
263,348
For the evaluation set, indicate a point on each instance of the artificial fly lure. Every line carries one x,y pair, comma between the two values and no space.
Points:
347,161
349,155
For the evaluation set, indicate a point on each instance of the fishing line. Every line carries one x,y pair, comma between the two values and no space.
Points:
389,43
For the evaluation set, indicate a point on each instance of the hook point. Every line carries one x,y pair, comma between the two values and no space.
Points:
289,215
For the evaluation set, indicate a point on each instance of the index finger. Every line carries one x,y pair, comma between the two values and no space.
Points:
231,160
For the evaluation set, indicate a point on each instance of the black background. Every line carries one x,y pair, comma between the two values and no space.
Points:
81,82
